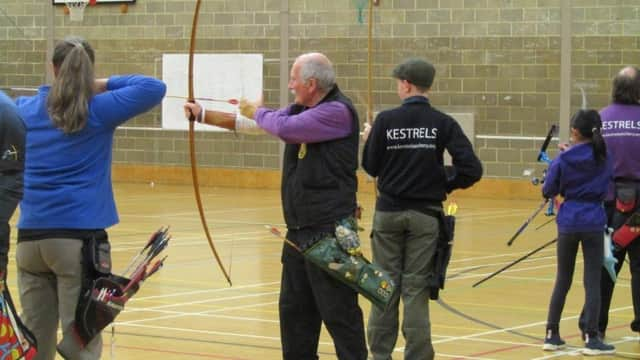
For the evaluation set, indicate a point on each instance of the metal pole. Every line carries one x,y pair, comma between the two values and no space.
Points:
565,69
284,52
284,60
50,15
370,65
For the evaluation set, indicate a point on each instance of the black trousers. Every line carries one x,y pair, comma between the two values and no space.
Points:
607,285
567,250
308,297
10,195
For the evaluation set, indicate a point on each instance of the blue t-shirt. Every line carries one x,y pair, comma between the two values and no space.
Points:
67,178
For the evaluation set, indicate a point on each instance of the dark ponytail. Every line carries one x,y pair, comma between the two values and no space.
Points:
599,146
73,87
589,125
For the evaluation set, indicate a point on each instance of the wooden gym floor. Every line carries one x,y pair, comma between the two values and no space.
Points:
188,311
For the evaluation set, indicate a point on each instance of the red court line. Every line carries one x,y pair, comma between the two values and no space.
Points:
210,356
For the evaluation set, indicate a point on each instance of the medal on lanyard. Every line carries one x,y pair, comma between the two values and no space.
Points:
302,152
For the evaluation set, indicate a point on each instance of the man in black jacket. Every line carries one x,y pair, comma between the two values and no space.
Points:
404,150
12,136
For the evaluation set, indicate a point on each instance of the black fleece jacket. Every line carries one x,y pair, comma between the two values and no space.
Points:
405,151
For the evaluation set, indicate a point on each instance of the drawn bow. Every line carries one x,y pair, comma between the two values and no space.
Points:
192,145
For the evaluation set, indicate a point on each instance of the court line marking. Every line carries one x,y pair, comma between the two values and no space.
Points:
214,300
578,351
187,293
467,337
463,357
276,283
202,312
517,327
504,342
488,257
254,305
207,291
156,350
213,332
466,260
210,314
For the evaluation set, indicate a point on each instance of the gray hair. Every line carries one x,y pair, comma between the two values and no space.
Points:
626,86
317,66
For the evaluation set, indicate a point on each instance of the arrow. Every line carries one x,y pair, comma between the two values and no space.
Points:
229,101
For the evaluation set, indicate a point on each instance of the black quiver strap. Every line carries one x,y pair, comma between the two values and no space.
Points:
442,255
96,259
626,196
93,315
626,216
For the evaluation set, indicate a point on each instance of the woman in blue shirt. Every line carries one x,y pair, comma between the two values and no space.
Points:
68,197
581,175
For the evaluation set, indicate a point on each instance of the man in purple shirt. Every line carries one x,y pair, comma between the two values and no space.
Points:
621,132
321,132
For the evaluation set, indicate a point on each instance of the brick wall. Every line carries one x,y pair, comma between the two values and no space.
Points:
497,59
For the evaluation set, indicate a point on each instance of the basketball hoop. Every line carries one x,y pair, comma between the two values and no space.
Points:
76,9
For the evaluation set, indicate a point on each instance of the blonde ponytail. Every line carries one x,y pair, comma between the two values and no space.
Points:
68,101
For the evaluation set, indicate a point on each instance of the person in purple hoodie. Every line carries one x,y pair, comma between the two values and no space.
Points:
321,133
581,175
621,132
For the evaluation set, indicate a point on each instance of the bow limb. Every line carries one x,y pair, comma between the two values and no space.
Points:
192,145
542,155
536,250
528,221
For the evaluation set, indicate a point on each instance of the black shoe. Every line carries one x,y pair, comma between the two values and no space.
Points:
553,342
595,346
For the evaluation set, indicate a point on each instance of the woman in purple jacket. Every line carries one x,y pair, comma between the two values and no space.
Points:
581,175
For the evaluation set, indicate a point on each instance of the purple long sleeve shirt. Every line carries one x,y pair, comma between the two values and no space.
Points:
326,121
621,132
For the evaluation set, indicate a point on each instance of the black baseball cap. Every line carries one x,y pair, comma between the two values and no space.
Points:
417,71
